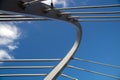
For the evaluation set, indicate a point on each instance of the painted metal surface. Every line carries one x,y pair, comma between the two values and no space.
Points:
40,9
57,70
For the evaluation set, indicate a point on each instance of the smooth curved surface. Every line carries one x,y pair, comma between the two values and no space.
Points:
39,9
58,69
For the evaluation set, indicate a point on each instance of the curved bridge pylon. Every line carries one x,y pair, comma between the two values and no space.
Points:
25,10
35,10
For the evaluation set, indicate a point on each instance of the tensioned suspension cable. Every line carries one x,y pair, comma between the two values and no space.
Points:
21,75
23,19
27,67
89,7
13,16
67,76
91,20
112,12
95,62
94,72
30,2
1,13
95,17
30,60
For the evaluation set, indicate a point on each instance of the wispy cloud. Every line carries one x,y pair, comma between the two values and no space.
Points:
9,34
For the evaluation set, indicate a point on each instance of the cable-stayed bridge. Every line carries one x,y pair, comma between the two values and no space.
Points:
34,10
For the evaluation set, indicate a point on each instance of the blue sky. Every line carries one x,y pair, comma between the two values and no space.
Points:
53,39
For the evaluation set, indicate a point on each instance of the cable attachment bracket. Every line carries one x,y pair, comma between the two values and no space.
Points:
21,4
52,4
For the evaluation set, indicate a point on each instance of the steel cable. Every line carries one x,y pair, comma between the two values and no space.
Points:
89,7
95,17
30,2
67,76
30,60
23,19
94,72
21,75
13,16
95,62
91,20
26,67
112,12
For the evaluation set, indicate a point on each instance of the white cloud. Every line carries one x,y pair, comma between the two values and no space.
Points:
5,41
12,47
4,55
64,3
9,33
